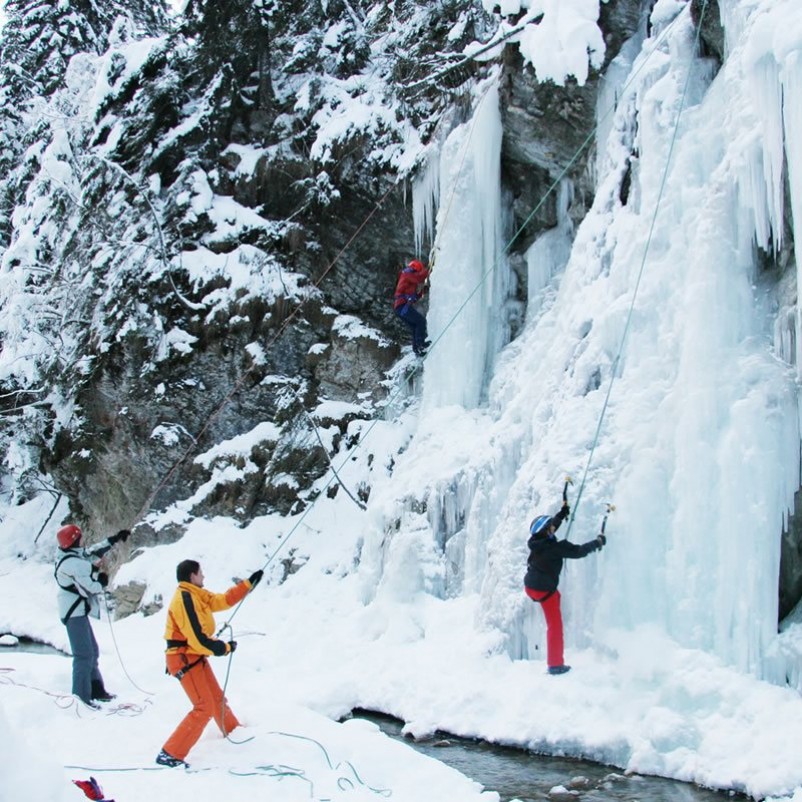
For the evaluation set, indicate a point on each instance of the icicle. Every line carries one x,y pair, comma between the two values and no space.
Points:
425,198
767,98
792,118
549,253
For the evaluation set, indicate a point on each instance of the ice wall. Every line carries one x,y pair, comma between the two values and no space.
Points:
699,446
468,281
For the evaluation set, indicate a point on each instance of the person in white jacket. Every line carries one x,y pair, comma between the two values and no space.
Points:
80,582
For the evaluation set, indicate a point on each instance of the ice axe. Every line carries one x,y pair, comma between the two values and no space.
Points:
610,508
568,481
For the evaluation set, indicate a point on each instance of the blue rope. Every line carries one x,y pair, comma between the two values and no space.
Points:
336,767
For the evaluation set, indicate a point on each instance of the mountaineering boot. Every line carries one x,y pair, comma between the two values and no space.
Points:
559,669
163,759
100,694
92,705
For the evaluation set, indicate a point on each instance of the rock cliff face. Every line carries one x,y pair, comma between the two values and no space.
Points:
341,253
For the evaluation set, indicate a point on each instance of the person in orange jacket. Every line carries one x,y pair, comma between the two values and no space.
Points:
408,291
190,640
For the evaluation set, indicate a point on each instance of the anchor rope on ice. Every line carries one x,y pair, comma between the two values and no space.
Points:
622,344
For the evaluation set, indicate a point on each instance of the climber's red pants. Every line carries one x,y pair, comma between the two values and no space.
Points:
550,602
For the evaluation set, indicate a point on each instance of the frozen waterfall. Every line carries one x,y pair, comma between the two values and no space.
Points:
699,447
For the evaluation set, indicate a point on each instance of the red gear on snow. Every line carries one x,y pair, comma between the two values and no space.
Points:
92,789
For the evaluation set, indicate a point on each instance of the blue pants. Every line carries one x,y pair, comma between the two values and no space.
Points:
84,657
416,322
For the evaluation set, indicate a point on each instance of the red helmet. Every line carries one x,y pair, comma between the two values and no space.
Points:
68,536
416,265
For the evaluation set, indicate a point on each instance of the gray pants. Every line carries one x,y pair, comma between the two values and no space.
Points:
84,657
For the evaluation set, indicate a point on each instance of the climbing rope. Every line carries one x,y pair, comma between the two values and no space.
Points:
344,783
117,647
342,484
349,779
619,354
65,701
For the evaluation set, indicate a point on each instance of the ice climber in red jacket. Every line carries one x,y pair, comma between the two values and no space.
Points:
408,291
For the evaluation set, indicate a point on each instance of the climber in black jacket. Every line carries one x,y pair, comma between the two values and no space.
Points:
546,555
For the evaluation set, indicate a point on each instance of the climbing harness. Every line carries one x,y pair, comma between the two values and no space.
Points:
71,588
179,675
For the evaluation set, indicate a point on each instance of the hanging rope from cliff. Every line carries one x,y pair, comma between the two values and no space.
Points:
617,360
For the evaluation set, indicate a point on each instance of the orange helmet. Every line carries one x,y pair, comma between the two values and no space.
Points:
416,265
68,536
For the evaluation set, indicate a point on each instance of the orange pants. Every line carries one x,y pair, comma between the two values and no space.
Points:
203,690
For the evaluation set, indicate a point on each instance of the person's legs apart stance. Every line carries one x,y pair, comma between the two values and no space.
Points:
203,690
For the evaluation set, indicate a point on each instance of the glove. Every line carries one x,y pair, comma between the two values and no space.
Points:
232,646
121,535
602,540
103,578
255,578
566,509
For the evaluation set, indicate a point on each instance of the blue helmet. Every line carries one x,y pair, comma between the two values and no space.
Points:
539,524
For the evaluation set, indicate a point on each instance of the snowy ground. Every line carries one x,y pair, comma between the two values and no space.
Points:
310,651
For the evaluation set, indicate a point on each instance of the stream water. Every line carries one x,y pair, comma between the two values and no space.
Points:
7,644
521,776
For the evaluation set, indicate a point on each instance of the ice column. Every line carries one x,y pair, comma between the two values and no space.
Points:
467,285
792,116
425,197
